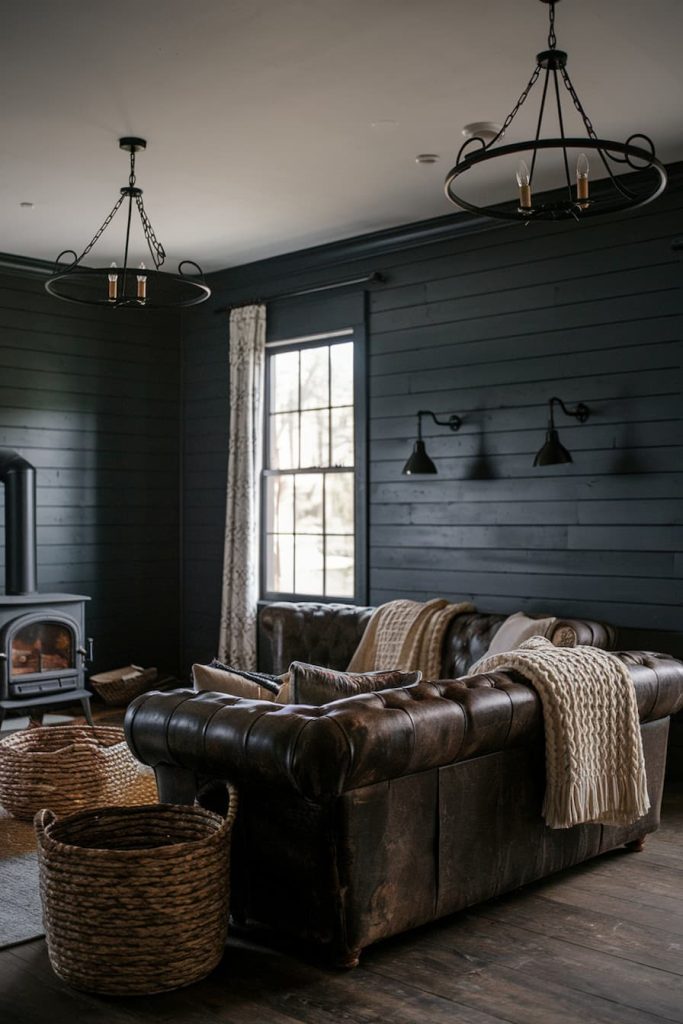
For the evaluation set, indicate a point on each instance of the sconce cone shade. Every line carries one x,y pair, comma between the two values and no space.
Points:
419,462
553,452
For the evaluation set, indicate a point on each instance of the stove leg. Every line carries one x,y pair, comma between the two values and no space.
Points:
85,704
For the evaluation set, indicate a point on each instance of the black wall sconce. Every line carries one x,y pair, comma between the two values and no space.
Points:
419,462
553,452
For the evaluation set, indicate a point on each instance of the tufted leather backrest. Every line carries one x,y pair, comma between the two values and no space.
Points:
468,640
324,751
328,634
320,634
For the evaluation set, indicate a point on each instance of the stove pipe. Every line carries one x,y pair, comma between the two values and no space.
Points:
19,478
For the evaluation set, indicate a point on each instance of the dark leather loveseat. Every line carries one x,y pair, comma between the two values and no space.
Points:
372,815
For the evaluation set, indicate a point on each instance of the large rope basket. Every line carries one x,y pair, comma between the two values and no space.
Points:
135,899
67,768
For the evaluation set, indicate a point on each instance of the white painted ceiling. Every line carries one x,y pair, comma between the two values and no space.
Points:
259,113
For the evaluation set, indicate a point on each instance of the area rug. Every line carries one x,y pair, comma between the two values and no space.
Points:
21,916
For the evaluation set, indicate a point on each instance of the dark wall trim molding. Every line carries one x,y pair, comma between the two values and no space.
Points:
25,265
233,281
236,284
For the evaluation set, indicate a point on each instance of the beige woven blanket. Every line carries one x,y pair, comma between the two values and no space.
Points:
406,635
595,769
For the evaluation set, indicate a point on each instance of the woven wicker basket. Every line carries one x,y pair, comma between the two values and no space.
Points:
69,767
121,685
135,899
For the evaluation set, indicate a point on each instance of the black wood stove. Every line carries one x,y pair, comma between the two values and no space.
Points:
42,652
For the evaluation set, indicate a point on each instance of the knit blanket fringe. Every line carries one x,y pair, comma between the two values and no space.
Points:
595,769
406,635
604,799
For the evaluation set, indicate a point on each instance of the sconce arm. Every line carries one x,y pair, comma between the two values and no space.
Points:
580,412
454,422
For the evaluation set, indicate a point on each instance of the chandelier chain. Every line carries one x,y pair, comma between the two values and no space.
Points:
103,227
513,113
131,176
153,243
552,38
588,124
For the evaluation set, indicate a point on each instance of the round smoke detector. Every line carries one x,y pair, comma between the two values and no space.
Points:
485,130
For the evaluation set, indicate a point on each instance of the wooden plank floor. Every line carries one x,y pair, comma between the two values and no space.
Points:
601,943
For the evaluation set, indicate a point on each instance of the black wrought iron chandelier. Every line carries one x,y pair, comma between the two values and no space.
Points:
120,285
576,199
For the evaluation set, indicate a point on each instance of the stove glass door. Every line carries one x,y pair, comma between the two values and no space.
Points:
42,647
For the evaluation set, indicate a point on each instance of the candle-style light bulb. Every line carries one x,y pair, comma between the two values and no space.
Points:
142,284
582,169
524,186
113,280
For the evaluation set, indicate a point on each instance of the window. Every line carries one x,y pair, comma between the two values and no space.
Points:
309,480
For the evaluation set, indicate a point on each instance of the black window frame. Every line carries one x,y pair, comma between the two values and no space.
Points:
356,335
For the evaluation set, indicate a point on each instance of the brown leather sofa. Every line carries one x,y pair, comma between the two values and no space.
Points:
375,814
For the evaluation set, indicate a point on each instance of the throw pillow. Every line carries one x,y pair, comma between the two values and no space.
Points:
236,682
311,684
515,630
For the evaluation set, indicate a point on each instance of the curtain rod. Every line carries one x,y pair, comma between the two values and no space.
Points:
374,278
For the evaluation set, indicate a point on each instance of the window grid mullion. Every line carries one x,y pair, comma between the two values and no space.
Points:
312,469
298,462
294,537
329,405
324,536
329,463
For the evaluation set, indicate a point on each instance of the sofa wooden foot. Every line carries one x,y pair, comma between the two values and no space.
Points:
347,960
636,845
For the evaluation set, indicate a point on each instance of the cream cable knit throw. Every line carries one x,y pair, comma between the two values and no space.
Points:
595,769
406,635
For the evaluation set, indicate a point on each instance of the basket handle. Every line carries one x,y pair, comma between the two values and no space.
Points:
42,820
232,806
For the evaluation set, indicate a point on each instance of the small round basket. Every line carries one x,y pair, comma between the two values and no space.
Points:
135,899
122,685
67,768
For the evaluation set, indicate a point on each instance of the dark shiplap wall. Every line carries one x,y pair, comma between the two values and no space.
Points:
205,441
490,325
91,399
491,331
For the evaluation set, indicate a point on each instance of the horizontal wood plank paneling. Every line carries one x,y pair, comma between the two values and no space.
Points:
593,317
90,398
490,325
205,458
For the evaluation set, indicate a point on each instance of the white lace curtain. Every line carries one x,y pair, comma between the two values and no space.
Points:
237,644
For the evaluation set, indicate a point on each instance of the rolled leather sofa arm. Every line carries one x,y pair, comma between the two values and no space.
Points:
321,752
320,634
582,632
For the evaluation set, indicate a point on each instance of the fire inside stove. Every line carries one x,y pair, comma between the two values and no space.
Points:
42,647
